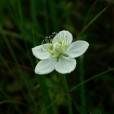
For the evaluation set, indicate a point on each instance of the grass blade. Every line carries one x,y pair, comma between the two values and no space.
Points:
12,102
92,78
92,21
77,86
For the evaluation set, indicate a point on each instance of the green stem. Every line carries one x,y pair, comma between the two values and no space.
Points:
45,92
82,88
69,101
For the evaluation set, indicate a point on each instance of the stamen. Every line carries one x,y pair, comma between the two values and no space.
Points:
43,42
48,39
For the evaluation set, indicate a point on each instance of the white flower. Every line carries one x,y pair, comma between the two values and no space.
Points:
59,54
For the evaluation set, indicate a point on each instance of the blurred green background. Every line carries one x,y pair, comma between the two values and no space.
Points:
24,24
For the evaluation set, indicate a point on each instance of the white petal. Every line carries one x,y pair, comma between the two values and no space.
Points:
63,36
77,48
42,51
65,65
45,66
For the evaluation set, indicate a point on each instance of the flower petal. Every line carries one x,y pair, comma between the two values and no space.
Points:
77,48
45,66
63,36
65,65
42,51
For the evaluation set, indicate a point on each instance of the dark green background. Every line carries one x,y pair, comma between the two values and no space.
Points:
25,23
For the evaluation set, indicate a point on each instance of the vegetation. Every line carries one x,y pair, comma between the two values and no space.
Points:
87,90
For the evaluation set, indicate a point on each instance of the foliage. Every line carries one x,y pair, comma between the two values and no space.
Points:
87,90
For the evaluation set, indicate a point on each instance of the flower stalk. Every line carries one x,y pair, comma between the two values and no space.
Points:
45,93
82,87
69,99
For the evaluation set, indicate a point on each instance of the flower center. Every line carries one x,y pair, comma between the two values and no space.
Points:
58,48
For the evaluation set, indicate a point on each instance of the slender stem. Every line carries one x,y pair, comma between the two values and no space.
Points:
82,88
69,101
45,92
